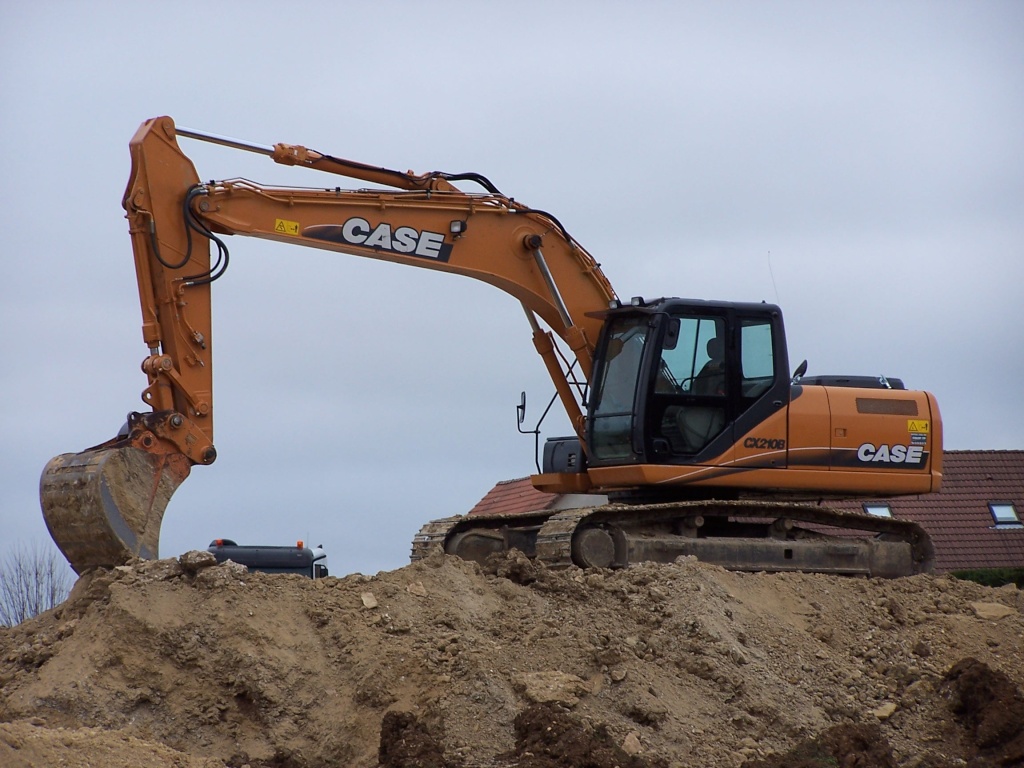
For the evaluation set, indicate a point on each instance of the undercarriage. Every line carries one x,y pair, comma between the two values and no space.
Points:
745,535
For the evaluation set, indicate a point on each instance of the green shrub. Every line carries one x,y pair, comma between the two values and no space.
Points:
993,577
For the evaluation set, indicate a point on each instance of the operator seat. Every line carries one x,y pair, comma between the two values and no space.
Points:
698,424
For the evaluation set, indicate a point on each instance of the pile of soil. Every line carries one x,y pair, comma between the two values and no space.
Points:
447,664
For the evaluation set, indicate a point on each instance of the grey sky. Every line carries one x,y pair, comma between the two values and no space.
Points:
860,163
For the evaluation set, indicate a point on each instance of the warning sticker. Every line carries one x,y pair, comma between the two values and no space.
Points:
285,227
913,425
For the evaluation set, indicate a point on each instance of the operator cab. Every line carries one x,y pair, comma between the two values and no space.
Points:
676,381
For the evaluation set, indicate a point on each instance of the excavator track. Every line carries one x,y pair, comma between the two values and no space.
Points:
745,535
431,537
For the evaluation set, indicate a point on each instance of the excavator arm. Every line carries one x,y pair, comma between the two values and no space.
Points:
105,505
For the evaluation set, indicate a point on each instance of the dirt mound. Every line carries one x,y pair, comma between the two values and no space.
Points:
444,664
985,702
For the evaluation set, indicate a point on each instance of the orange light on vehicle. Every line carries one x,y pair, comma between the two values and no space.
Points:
299,543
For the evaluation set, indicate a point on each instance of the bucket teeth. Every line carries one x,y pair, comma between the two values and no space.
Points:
105,505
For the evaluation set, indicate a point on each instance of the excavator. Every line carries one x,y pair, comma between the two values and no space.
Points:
688,425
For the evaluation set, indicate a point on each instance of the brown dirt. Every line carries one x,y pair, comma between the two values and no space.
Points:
444,664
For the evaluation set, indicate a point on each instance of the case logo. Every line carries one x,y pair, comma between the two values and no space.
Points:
895,454
408,241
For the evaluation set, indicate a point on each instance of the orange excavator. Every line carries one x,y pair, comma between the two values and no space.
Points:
688,422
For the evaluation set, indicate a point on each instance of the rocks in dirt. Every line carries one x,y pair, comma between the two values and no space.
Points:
227,573
192,562
644,708
416,588
885,711
154,570
992,611
514,566
631,744
552,687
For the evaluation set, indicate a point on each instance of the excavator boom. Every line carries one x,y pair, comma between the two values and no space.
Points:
105,505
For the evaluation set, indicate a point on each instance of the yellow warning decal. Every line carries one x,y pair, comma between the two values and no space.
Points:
285,227
913,425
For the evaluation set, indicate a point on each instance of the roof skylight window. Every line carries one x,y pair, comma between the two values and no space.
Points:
877,509
1004,513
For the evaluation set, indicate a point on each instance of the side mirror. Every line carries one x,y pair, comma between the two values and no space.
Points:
671,334
800,371
521,408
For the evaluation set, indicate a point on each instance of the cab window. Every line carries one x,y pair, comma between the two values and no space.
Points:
615,392
757,356
693,357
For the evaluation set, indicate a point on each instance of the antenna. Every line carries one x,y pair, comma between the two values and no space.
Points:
772,273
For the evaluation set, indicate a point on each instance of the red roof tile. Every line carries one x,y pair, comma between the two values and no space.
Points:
512,497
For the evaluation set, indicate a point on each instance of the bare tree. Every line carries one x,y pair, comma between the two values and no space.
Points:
32,580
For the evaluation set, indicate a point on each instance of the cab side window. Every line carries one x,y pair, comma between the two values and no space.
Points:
757,357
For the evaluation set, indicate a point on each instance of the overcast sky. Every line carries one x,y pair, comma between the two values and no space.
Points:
860,163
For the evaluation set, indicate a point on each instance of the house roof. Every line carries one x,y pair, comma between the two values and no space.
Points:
957,517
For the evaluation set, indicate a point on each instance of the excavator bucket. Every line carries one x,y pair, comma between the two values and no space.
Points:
105,505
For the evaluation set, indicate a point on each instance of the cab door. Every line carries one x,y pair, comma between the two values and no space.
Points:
688,407
720,390
761,432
